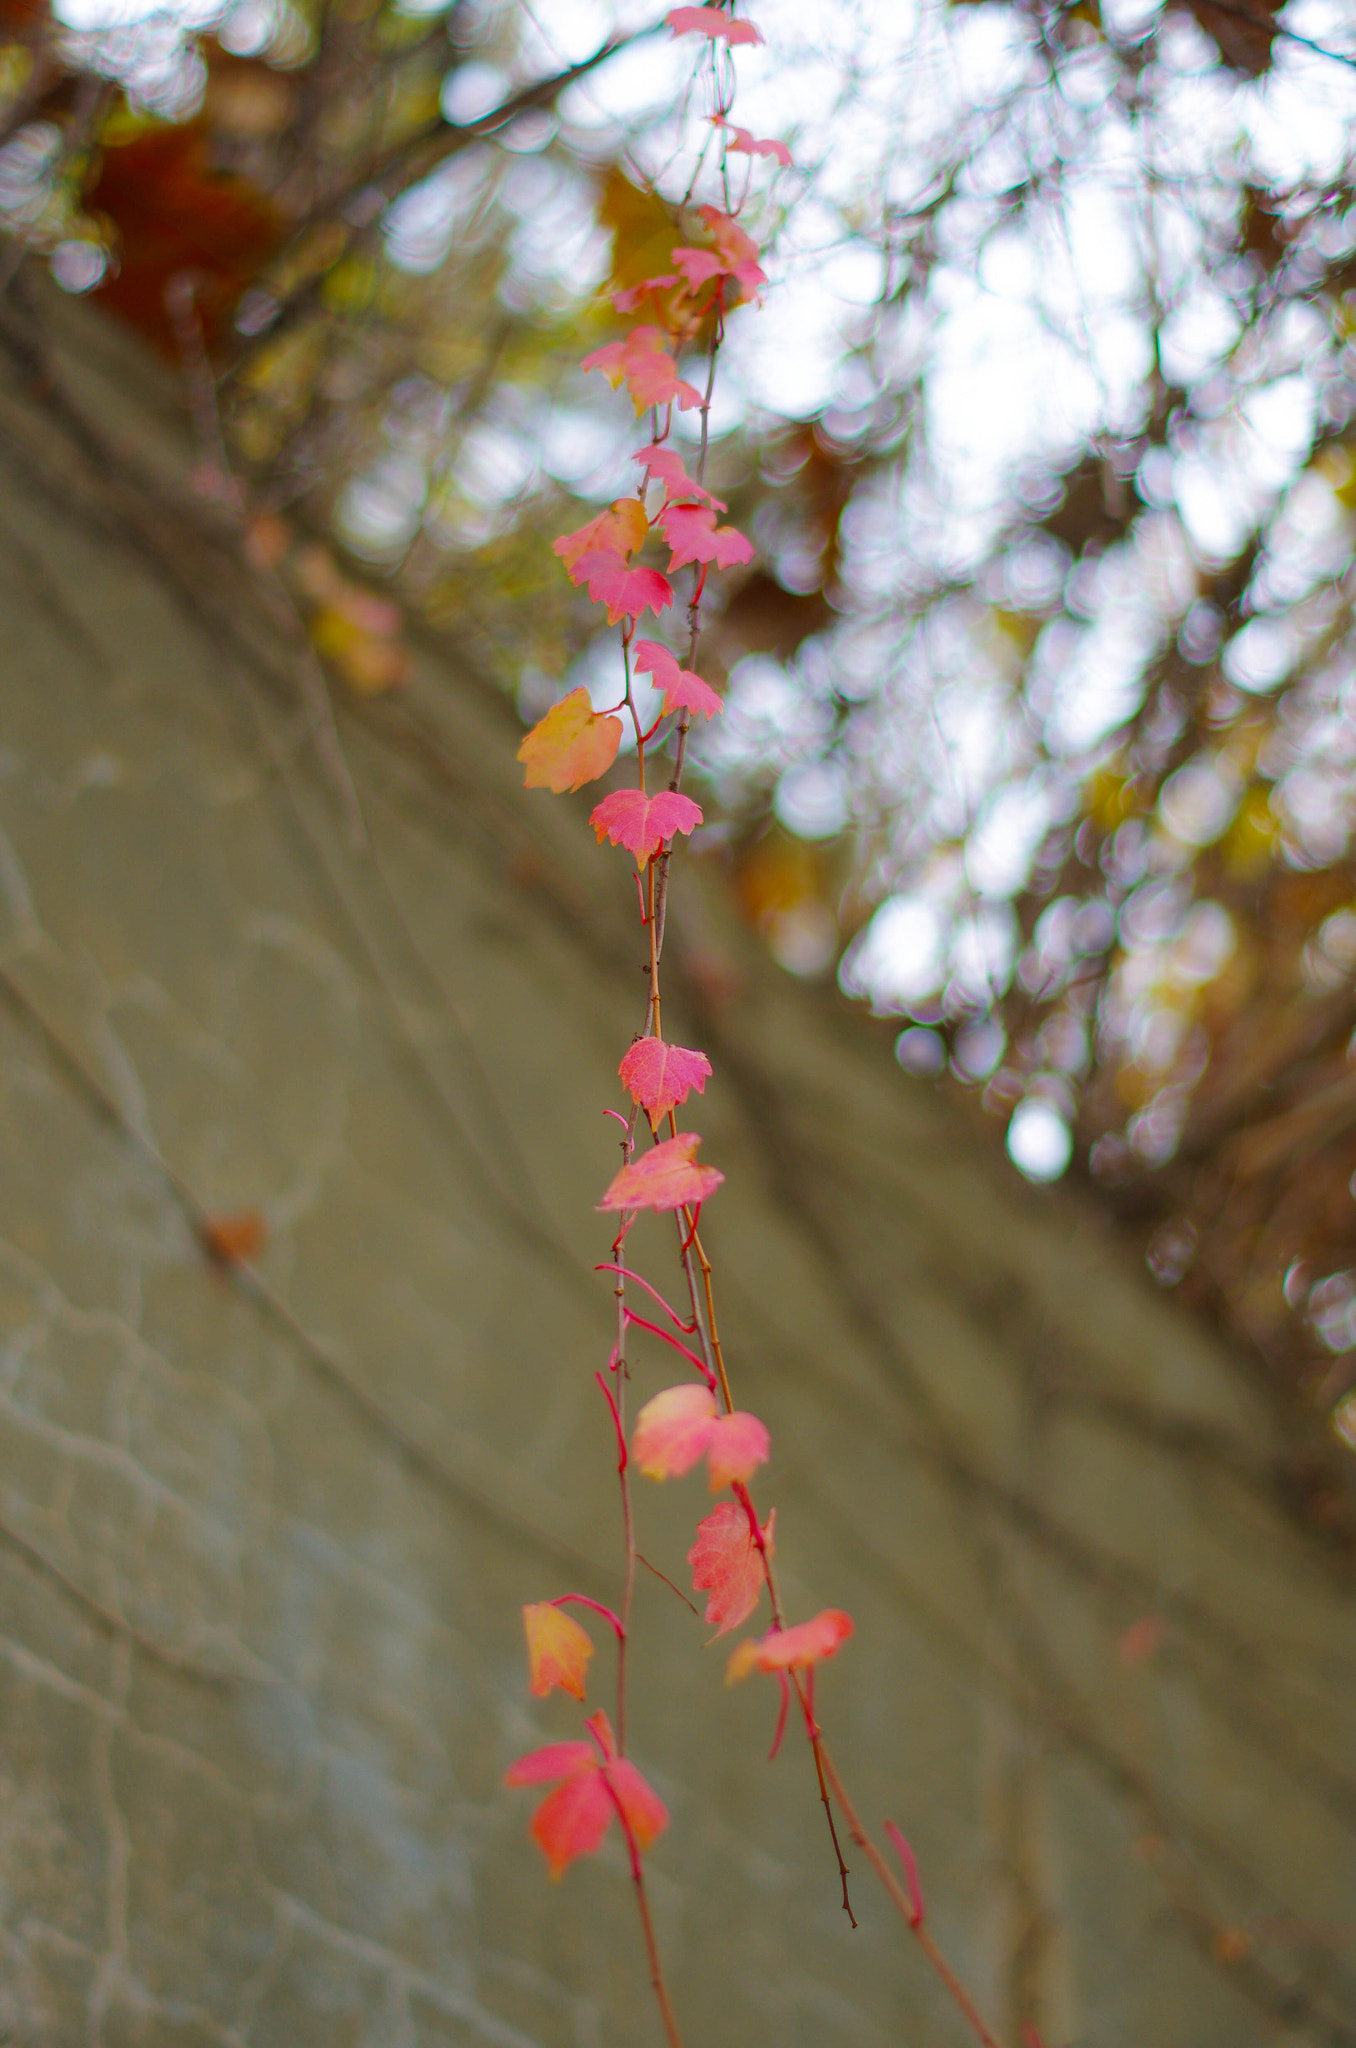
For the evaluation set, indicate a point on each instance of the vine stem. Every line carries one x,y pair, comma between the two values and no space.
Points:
657,1981
617,1404
915,1922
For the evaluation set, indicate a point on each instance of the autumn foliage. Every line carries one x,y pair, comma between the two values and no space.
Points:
693,1423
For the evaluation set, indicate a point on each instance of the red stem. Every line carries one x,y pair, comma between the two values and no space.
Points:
606,1266
667,1337
596,1606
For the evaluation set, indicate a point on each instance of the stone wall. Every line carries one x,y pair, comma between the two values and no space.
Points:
264,1530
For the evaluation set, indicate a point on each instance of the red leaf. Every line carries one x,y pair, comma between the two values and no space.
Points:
625,592
660,1077
642,823
667,465
666,1178
682,1424
619,530
558,1650
727,1564
693,535
572,1820
792,1649
709,21
646,1814
542,1766
683,688
572,745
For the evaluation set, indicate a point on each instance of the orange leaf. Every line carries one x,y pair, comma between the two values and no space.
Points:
558,1650
660,1077
232,1239
666,1178
622,529
572,745
727,1564
792,1649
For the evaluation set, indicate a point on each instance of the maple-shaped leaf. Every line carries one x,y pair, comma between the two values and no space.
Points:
642,823
572,745
727,1564
620,530
625,592
594,1784
644,364
792,1649
738,251
693,535
699,266
683,688
666,1178
660,1077
742,142
558,1650
683,1424
667,465
709,21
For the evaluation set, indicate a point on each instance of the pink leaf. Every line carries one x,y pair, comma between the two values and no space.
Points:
667,465
649,371
737,1446
625,592
693,535
792,1649
642,823
737,251
709,21
699,266
741,141
630,300
727,1564
666,1178
660,1077
683,688
673,1430
682,1424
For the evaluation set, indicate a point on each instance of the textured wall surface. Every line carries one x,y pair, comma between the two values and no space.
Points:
264,1533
